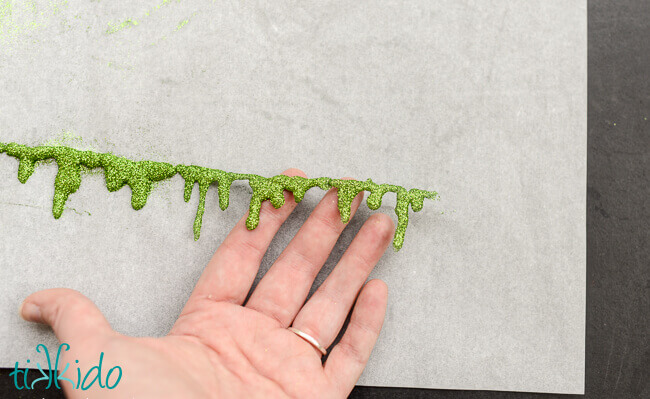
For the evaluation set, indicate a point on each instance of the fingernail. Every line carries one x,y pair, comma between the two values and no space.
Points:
30,312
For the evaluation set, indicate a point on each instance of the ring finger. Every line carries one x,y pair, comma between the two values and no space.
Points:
283,289
324,314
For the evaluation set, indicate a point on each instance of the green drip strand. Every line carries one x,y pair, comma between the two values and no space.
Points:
205,177
141,175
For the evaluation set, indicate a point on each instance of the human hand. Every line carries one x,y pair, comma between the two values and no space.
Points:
220,347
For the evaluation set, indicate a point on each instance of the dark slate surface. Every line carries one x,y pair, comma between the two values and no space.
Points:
618,217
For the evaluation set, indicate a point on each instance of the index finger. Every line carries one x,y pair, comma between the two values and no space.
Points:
231,271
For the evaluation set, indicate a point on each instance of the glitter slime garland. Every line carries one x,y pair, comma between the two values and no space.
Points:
141,175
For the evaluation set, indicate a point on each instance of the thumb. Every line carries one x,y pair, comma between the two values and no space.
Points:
72,316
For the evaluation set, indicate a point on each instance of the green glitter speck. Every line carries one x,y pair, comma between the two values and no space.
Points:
182,23
113,28
141,175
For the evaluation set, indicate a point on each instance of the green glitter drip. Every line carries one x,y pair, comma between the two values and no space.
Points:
141,175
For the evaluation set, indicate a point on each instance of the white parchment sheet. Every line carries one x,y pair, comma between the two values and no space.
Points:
482,101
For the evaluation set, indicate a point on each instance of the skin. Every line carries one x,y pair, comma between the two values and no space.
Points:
224,347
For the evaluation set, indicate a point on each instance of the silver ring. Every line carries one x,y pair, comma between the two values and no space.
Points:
309,339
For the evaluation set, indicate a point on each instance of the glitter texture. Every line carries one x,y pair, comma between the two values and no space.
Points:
141,175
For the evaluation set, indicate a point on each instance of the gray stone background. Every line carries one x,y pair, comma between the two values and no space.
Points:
483,101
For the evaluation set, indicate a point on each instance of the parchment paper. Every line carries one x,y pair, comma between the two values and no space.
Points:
483,101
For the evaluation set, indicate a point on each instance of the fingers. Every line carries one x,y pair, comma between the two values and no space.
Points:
72,316
233,267
324,314
284,287
349,357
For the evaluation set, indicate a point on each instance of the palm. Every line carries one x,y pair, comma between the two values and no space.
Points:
255,347
221,347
